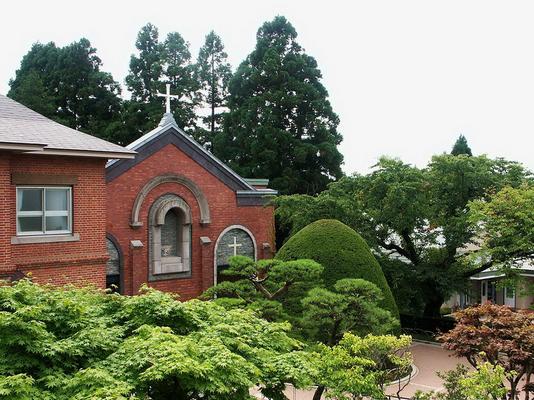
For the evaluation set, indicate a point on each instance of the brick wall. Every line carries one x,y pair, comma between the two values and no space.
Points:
224,211
5,211
79,262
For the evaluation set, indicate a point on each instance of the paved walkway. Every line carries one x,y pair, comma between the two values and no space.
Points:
428,359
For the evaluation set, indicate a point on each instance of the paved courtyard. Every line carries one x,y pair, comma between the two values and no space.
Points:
427,358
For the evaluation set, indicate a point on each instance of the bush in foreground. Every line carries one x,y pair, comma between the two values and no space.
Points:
68,343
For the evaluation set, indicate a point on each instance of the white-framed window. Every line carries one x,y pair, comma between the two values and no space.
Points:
44,210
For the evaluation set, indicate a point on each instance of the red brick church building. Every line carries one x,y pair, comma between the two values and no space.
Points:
163,211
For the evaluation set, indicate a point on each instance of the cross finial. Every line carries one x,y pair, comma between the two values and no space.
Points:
168,96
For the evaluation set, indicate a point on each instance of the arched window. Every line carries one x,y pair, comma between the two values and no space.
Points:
169,238
113,266
234,240
170,234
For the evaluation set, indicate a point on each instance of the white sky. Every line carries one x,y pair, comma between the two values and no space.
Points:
406,77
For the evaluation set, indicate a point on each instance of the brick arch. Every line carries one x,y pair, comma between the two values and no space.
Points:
160,180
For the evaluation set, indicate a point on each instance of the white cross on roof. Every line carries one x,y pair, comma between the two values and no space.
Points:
168,96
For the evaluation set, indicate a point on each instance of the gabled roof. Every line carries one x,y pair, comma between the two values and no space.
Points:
22,129
168,132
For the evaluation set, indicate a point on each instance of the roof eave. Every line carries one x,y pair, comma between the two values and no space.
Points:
257,192
13,146
85,153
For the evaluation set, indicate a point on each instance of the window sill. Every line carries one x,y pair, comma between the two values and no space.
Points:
45,239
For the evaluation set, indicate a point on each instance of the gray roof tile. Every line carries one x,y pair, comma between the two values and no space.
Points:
20,125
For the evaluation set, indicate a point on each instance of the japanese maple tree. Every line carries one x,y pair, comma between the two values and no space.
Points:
498,335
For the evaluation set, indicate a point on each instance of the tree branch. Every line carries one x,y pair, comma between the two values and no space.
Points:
282,290
258,284
395,247
410,247
477,270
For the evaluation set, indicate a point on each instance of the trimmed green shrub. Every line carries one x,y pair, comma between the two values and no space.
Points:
342,252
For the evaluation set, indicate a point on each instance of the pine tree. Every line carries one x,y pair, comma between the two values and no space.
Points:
146,68
213,73
179,72
143,111
156,64
67,85
32,92
281,125
461,147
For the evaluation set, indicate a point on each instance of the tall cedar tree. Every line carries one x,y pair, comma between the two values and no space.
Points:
281,125
156,64
67,85
461,147
213,74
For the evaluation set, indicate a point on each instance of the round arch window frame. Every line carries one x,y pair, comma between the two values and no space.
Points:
117,245
156,218
225,231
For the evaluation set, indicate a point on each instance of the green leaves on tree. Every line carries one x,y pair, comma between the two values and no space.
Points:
280,124
213,73
67,85
416,220
68,343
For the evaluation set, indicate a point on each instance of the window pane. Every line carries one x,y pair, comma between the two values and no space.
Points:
57,199
30,200
30,224
113,264
169,235
57,223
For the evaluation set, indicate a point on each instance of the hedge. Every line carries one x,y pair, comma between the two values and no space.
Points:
342,252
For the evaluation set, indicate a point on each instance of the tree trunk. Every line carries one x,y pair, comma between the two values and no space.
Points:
318,393
212,97
433,305
527,385
513,389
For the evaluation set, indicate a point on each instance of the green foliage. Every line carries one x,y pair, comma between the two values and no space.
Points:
213,73
273,287
146,68
67,85
353,306
343,254
30,90
415,220
155,64
358,367
280,125
81,343
483,383
506,223
461,147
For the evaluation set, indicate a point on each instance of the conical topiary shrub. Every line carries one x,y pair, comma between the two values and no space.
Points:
342,252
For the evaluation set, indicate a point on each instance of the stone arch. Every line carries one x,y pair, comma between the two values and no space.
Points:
228,229
164,264
160,180
166,205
